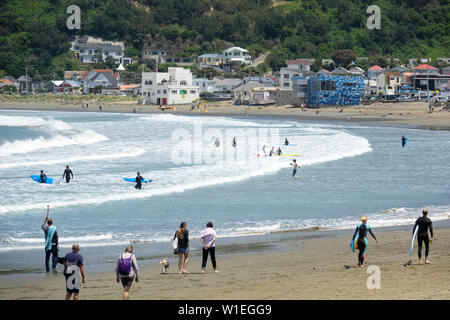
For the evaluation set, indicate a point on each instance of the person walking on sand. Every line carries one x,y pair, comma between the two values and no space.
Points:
208,238
424,223
67,173
361,231
51,242
73,269
127,270
182,235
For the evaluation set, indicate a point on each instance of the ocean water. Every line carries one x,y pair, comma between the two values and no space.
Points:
346,171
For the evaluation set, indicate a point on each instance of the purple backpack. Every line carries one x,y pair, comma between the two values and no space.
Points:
125,265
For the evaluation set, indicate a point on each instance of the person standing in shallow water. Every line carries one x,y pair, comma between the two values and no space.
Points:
51,242
67,173
182,234
361,231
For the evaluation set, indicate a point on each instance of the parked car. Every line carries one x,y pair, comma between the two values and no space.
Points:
442,99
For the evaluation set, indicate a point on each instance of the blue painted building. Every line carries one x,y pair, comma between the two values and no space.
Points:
335,90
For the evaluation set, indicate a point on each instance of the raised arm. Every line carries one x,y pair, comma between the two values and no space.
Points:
46,218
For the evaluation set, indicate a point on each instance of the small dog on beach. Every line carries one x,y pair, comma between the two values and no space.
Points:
164,264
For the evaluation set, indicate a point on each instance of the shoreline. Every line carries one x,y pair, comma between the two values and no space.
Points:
409,115
306,267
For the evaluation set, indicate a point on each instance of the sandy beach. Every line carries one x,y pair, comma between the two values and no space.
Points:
411,114
319,268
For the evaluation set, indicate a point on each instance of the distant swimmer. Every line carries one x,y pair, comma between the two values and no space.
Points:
67,173
42,177
286,142
295,167
233,143
217,142
424,224
139,181
272,152
279,153
264,149
360,237
403,141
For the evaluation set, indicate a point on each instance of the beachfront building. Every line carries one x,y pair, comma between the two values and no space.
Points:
226,84
104,80
255,91
335,90
446,70
133,89
238,55
376,80
87,48
172,87
26,84
431,82
300,90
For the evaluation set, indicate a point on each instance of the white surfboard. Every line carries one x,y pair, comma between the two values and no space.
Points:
411,247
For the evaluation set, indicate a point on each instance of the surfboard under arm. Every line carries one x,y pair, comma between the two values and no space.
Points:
411,247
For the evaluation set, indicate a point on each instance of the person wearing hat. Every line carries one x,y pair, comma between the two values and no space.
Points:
361,232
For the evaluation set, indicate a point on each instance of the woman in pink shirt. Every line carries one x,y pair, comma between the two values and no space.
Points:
208,238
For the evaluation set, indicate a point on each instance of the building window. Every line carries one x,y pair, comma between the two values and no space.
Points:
329,85
149,82
286,84
158,91
193,91
164,91
183,83
286,76
174,91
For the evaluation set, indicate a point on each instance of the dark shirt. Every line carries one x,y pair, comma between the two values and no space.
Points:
182,243
71,257
139,179
42,178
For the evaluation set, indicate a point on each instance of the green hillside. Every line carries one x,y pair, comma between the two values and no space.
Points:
35,32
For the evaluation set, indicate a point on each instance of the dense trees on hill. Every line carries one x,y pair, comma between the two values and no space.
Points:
34,32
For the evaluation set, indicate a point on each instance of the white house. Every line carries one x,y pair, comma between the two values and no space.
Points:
205,85
295,68
239,55
172,87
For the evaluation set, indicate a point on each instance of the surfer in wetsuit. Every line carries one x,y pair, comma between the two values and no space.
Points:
286,142
361,231
67,173
42,177
234,142
279,153
139,181
403,141
272,152
424,223
217,142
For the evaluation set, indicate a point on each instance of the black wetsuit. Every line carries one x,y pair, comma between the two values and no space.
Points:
138,182
234,143
362,229
67,173
424,224
42,178
286,142
403,141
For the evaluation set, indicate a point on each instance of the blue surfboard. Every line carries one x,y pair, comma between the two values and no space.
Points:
36,178
134,180
406,141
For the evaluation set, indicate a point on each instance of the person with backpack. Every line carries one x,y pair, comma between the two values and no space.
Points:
73,268
127,270
361,233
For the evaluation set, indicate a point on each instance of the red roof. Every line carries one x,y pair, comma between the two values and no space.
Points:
375,68
6,81
325,70
299,61
424,67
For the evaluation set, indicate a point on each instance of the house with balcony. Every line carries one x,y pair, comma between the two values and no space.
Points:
104,79
169,88
238,55
87,48
212,60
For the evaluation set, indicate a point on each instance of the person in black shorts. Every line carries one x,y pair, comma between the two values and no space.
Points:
403,141
424,223
67,173
42,177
